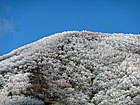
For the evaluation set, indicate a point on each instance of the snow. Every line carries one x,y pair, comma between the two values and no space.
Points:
87,68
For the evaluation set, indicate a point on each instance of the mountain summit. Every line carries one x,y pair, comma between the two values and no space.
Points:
73,68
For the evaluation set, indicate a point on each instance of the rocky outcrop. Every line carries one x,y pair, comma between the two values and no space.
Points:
73,68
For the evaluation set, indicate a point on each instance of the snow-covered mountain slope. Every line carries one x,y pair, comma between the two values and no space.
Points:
73,68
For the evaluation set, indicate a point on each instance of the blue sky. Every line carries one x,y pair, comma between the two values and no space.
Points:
26,21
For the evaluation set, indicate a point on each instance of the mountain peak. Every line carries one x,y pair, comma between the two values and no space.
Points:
73,68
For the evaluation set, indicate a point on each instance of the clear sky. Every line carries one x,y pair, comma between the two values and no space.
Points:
26,21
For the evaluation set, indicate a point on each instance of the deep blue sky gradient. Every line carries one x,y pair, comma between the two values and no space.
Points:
25,21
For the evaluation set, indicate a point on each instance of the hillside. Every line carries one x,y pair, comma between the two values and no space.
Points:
73,68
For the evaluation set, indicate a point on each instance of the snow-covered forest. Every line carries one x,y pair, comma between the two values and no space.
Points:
73,68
